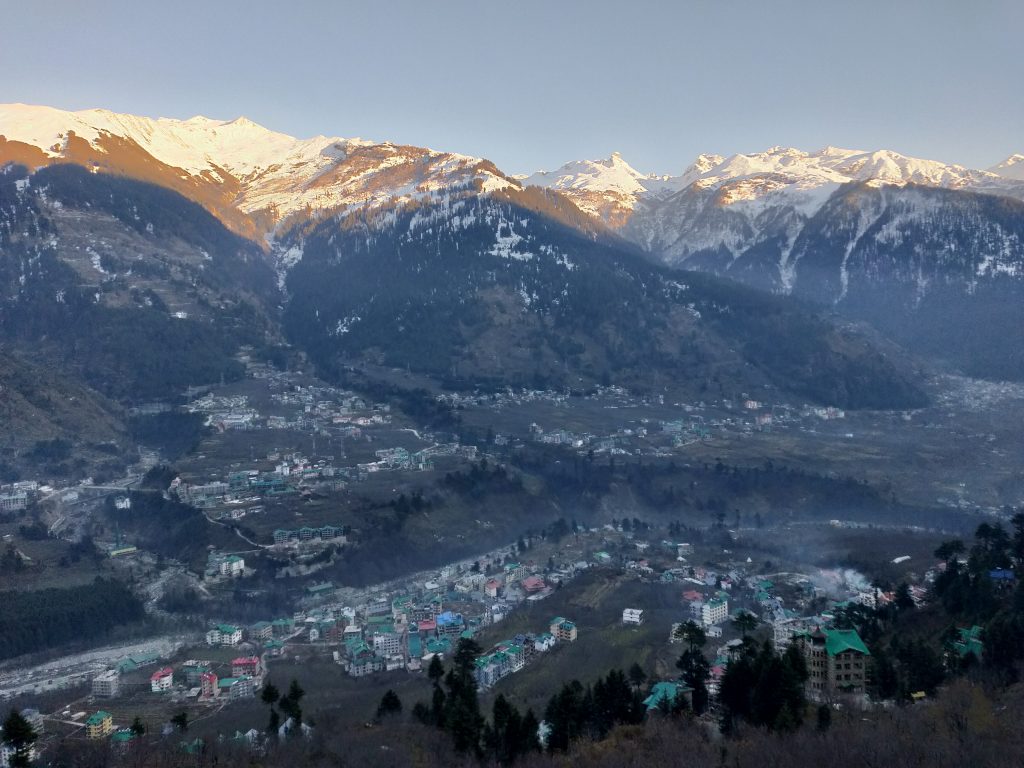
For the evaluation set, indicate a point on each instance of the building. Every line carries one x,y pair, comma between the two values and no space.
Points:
7,752
224,634
232,566
261,630
633,616
193,670
969,643
208,685
122,739
162,680
836,661
13,502
545,641
515,572
247,665
387,644
236,687
107,684
667,695
99,725
533,584
714,611
563,630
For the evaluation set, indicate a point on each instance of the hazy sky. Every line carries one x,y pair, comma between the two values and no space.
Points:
531,84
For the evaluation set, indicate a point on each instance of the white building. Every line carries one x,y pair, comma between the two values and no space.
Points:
232,566
714,611
633,616
7,752
387,644
106,684
161,680
224,634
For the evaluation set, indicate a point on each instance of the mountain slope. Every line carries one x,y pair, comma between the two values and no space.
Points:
930,253
129,287
766,219
488,292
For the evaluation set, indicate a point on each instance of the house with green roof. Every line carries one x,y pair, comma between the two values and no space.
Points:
123,738
668,695
439,646
836,661
969,642
564,630
99,724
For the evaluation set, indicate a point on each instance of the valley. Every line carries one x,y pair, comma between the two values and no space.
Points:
338,411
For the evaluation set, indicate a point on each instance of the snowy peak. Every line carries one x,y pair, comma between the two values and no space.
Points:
833,165
779,176
608,189
612,174
240,165
1011,168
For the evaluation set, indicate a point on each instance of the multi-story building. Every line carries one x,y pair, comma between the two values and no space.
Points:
193,670
563,630
208,683
247,665
7,752
14,501
387,644
224,634
633,616
99,724
162,680
515,572
236,687
106,684
784,630
714,611
836,661
232,566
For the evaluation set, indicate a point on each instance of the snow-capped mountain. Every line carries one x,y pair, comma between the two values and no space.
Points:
836,226
614,189
608,189
1011,168
238,165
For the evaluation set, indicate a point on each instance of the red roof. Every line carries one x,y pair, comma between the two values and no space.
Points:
209,676
243,660
165,672
427,625
692,594
533,584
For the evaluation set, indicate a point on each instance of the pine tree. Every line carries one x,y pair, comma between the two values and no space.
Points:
435,671
637,676
19,736
270,694
390,704
180,721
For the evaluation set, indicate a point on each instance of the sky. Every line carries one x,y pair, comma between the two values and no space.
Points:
531,84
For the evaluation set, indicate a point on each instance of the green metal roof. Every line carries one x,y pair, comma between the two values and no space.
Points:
97,717
839,640
666,691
